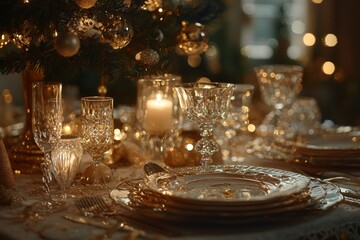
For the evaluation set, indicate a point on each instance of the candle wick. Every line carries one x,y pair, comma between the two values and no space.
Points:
158,97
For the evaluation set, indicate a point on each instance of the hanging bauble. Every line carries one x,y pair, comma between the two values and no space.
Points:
192,38
86,4
118,32
148,57
85,26
158,35
67,44
152,5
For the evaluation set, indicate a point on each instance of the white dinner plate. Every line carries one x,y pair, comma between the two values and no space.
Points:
229,184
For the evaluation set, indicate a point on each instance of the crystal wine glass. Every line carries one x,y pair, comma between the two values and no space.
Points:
206,104
279,86
46,125
66,158
97,130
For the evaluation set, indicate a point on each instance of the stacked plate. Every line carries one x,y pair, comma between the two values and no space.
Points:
226,195
330,149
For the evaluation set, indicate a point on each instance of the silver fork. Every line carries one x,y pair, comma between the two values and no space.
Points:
93,206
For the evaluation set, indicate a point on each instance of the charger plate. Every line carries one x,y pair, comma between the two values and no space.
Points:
322,196
227,184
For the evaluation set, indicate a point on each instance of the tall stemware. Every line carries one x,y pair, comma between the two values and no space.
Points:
279,86
206,104
46,125
97,130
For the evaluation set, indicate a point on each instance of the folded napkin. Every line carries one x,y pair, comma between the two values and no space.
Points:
7,180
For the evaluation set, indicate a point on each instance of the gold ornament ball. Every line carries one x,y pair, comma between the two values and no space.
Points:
192,38
67,45
85,3
118,32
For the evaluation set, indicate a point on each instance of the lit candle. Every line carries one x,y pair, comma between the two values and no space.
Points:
158,116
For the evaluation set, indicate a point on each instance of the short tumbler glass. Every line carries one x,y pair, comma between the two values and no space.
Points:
66,158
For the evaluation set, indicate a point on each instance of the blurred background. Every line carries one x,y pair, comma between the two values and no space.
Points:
320,35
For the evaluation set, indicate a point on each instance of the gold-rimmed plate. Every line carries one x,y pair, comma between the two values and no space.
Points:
227,184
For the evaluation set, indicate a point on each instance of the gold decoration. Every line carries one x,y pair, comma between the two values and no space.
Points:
18,40
26,156
4,40
192,38
152,5
86,4
86,26
67,45
118,32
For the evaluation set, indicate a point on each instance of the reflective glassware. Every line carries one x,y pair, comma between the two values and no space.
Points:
302,118
205,104
279,86
97,130
157,111
233,132
66,158
47,116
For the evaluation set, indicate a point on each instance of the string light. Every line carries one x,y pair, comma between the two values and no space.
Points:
330,40
328,68
309,39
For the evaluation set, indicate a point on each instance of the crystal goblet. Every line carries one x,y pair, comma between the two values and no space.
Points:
206,104
66,158
97,131
233,130
279,86
46,125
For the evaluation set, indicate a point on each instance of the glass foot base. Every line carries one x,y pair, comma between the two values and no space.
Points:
92,176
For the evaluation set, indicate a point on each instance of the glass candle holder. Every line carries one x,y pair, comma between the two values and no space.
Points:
157,111
66,158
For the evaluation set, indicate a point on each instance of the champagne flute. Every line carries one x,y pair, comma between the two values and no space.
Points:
46,125
97,131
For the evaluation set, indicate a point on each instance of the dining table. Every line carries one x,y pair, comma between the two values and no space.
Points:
24,219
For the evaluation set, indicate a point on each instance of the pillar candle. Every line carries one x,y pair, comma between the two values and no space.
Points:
158,115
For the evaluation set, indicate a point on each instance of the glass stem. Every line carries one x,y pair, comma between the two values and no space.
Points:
96,170
47,177
206,146
63,192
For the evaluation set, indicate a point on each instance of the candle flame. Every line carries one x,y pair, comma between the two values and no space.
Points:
158,97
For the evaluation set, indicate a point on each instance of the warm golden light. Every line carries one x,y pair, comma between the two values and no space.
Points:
330,40
317,1
194,60
67,129
328,68
251,128
189,147
117,134
309,39
17,172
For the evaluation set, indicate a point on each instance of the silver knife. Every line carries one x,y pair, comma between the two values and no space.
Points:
97,222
